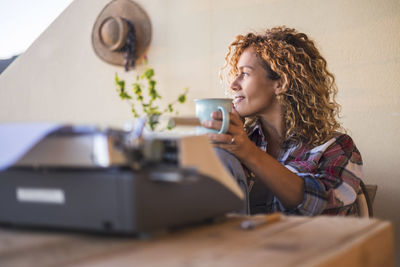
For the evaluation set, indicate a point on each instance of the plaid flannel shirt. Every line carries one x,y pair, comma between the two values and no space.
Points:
331,174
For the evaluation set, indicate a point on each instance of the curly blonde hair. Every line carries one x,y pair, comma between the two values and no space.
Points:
309,89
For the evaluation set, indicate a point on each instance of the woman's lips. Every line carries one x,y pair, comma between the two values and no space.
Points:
237,100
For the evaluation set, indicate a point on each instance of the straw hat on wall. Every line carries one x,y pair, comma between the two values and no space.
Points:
121,33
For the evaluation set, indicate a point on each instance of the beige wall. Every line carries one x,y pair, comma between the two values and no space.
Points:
60,79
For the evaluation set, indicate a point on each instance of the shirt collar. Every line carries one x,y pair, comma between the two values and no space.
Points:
255,133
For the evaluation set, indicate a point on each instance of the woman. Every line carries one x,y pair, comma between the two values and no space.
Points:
284,129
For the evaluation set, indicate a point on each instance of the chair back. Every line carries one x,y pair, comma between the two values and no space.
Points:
365,200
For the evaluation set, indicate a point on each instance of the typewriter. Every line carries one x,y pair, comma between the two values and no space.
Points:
107,180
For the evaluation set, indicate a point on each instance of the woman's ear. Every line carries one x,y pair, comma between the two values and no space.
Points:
280,87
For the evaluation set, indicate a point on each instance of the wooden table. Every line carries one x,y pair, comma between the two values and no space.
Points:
292,241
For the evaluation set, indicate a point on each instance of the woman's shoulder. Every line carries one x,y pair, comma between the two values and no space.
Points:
342,143
338,143
342,139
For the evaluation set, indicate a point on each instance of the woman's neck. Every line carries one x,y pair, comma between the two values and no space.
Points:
274,131
272,124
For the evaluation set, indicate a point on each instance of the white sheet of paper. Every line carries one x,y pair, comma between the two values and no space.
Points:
18,138
197,152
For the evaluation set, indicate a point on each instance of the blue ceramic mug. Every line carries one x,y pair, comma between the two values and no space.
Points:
204,108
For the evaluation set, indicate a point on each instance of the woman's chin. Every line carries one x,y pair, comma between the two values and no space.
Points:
240,111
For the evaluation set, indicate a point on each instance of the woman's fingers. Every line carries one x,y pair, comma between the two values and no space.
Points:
236,144
235,122
212,124
217,125
221,138
235,140
234,117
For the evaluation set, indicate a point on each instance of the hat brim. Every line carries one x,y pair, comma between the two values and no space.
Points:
136,15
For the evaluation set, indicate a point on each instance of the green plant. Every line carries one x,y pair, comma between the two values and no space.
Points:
147,102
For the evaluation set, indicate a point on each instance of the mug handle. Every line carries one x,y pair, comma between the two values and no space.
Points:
225,120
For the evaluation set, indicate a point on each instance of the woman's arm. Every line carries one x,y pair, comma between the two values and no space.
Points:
284,184
333,185
287,186
326,182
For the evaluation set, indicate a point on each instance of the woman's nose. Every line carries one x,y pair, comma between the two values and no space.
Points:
234,85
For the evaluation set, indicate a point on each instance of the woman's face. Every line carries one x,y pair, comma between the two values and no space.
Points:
254,92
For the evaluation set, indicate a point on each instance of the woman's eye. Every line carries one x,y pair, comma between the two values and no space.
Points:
244,74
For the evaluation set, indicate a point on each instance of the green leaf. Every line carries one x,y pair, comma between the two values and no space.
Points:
136,88
135,114
182,98
121,83
148,74
170,126
118,81
124,95
152,83
154,110
153,93
153,121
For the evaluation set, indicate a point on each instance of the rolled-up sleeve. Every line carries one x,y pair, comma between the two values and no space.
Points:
331,175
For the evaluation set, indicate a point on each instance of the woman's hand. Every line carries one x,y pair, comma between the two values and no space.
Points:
286,185
235,140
